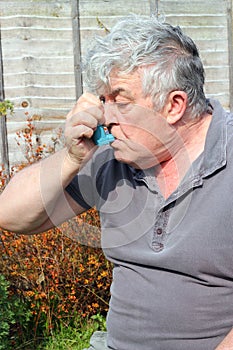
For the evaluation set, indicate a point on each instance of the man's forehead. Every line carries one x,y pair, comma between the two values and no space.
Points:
124,84
117,76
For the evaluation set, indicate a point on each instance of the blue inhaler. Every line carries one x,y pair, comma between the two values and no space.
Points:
102,136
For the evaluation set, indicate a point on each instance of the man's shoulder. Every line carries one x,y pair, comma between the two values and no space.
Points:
104,171
104,162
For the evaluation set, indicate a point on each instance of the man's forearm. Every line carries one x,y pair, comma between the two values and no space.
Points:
30,197
227,343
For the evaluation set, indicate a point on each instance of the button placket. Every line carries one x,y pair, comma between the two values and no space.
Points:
158,241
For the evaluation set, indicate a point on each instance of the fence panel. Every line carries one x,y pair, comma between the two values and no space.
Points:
40,70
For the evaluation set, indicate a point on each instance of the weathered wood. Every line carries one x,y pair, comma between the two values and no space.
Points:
53,8
77,48
154,8
33,78
37,44
230,50
199,7
122,7
35,91
31,20
199,19
3,126
25,34
217,73
38,104
37,64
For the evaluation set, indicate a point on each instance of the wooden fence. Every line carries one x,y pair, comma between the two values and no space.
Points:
42,47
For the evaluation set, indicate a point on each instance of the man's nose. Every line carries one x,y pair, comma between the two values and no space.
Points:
110,114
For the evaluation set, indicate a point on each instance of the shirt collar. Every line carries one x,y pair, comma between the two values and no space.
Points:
214,155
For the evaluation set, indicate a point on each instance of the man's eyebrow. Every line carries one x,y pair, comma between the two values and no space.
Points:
116,92
119,90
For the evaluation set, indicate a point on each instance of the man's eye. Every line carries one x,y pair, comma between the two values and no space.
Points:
123,106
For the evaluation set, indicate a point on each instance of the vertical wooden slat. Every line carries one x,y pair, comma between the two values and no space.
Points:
3,126
77,48
154,8
230,49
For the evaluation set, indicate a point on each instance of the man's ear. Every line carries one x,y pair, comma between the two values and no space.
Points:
175,106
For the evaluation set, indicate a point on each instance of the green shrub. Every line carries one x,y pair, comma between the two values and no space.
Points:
15,317
54,276
6,314
76,337
5,107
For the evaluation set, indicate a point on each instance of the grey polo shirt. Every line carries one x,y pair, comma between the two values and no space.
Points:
172,283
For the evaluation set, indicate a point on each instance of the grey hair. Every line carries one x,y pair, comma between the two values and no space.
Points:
170,61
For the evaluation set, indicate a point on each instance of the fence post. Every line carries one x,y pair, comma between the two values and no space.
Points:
77,48
230,49
154,8
3,126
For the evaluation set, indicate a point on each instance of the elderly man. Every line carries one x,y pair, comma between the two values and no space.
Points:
161,188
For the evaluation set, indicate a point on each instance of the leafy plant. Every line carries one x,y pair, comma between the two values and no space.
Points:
59,281
5,107
76,337
31,146
14,315
6,315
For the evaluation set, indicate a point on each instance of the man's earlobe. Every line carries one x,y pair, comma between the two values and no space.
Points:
173,119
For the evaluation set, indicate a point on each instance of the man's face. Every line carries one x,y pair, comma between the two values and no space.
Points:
143,136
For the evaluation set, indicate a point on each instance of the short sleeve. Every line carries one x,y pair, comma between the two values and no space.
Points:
74,191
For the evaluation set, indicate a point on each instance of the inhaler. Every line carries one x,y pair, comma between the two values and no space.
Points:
102,136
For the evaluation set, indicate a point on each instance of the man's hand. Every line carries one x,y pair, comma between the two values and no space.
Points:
81,122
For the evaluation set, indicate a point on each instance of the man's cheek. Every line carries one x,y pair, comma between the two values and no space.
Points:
132,131
138,135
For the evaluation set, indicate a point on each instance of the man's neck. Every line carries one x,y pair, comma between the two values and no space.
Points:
170,173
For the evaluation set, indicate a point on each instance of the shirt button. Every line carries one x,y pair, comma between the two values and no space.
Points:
159,231
158,246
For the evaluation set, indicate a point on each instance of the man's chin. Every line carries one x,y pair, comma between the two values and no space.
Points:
136,163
